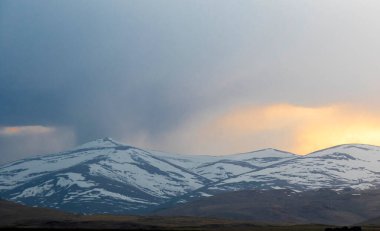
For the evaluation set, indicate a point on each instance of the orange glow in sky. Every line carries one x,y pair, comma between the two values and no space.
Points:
20,130
306,129
292,128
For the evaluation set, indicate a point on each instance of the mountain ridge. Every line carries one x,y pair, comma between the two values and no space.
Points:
115,143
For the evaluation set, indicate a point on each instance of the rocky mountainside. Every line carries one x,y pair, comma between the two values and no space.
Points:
104,176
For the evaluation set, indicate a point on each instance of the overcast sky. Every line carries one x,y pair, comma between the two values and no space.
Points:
201,77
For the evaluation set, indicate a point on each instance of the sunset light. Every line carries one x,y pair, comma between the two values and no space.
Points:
294,128
251,115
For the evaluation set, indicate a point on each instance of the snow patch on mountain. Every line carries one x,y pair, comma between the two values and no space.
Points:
40,190
70,179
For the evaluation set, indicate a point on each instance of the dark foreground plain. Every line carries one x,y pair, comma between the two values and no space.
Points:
323,206
18,217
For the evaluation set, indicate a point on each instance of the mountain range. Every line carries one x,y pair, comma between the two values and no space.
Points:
105,176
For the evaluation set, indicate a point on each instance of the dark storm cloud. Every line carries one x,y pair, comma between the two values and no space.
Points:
121,68
82,63
106,67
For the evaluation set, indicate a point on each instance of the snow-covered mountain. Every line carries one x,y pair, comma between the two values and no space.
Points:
105,176
354,166
100,176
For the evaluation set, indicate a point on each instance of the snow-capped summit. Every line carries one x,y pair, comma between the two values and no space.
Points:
263,153
106,142
363,150
263,157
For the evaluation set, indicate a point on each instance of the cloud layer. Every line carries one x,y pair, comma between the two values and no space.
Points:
143,71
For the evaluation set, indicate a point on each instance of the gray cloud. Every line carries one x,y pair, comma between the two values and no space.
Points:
121,68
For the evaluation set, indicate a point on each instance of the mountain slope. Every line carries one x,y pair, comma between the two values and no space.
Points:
233,165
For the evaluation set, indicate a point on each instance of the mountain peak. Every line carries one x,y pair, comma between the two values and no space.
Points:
353,149
105,142
264,153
